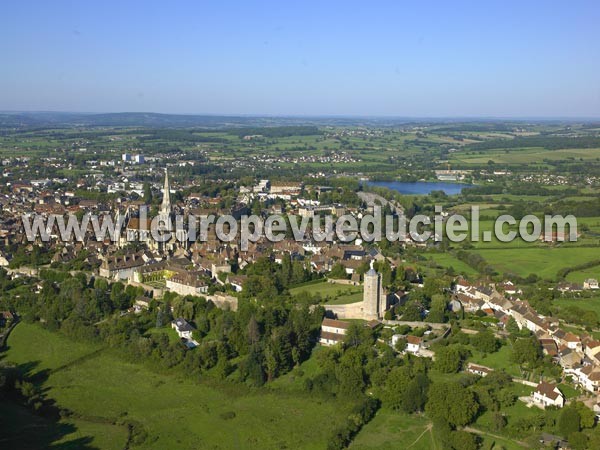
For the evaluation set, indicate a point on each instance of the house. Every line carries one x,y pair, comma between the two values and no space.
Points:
573,341
397,298
413,344
462,285
183,328
236,281
547,394
141,303
549,347
469,304
568,358
592,348
332,331
591,283
121,266
187,283
476,369
508,287
587,377
283,188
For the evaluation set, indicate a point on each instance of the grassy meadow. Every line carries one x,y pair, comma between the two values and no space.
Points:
331,293
176,412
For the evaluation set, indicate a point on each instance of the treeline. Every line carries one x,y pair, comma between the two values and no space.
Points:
476,261
492,126
562,273
517,189
276,132
261,341
547,142
588,208
177,136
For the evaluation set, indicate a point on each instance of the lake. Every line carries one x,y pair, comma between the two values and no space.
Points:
421,187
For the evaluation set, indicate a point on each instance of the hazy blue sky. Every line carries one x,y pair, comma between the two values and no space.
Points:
403,58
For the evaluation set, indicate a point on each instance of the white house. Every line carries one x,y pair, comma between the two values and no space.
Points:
413,344
587,377
591,283
476,369
547,394
183,328
332,331
187,283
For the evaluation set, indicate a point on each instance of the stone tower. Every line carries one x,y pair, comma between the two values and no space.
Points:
373,299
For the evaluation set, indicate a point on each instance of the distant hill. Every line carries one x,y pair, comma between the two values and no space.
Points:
27,120
155,120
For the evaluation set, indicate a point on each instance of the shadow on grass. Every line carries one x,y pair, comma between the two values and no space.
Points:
33,422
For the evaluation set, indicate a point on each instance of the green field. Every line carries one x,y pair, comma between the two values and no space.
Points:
497,360
544,262
176,412
331,293
392,429
529,155
580,276
591,304
447,260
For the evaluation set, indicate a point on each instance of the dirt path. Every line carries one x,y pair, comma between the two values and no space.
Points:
427,429
495,436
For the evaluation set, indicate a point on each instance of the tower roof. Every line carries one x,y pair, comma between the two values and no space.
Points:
371,271
166,201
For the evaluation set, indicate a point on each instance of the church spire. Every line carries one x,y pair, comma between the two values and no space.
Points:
165,208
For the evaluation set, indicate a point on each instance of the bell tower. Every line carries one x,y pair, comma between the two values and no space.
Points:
165,207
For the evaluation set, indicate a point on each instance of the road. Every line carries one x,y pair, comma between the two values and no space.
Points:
369,198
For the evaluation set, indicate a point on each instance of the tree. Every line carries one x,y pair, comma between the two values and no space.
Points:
337,271
253,331
587,418
569,421
412,312
451,403
350,378
498,421
357,334
395,386
578,441
285,273
526,351
448,359
485,342
461,440
512,327
147,193
415,395
438,308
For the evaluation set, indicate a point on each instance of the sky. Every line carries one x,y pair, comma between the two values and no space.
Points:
376,58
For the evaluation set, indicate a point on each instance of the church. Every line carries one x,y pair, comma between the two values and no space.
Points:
139,227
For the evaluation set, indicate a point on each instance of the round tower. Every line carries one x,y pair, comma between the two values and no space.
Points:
371,294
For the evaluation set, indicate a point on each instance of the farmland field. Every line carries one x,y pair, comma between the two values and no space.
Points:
526,155
447,260
544,262
590,304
